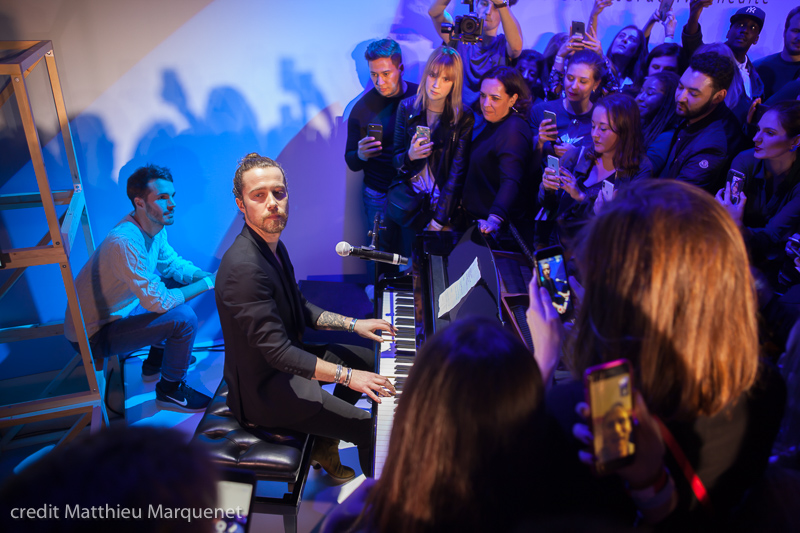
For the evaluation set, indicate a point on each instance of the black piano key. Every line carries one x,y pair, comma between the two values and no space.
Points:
405,359
401,321
407,312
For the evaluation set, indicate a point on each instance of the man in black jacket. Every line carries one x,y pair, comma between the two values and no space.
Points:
363,151
273,377
709,136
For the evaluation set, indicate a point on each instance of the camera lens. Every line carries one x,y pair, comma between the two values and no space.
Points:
469,25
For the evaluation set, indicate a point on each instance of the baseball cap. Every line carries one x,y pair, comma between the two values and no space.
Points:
753,12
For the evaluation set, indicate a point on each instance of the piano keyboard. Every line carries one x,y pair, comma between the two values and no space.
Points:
396,359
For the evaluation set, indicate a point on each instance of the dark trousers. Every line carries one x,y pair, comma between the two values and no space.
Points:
339,418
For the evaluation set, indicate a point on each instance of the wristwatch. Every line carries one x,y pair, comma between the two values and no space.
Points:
502,4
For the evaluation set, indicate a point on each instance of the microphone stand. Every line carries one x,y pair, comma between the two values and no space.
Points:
377,227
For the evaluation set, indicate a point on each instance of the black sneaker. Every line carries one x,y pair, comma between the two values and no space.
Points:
183,398
151,372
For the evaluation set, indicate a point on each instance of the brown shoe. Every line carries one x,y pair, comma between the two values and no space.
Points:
326,454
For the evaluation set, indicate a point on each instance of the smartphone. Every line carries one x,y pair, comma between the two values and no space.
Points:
552,162
375,130
607,191
235,492
758,113
664,8
549,115
736,179
424,132
578,28
552,272
609,393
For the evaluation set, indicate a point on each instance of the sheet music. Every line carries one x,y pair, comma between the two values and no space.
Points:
458,290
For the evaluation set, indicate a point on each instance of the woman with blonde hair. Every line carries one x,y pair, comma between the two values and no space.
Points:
668,286
432,139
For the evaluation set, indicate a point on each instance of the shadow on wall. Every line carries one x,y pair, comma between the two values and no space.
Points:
203,157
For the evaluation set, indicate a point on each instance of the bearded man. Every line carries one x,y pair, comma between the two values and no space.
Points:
274,377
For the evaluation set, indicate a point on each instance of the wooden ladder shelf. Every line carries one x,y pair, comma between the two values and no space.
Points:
19,59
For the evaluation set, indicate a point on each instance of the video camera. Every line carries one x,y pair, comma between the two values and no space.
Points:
467,28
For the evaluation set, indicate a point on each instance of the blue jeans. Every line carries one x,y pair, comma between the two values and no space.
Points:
175,330
374,202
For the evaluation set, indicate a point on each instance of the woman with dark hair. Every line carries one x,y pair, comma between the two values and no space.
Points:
432,167
628,52
656,101
531,64
616,156
667,57
501,154
573,112
768,209
466,439
666,285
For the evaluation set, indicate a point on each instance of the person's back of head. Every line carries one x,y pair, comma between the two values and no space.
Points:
134,468
736,87
668,286
471,409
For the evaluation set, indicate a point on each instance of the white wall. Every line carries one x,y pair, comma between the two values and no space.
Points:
196,84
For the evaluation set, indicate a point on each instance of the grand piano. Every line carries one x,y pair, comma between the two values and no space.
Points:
411,304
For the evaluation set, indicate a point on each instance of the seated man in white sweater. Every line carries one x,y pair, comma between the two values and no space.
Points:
127,305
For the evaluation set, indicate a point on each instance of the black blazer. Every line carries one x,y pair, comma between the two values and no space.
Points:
263,317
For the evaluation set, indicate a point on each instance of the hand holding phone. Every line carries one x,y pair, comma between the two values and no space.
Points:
607,191
370,145
577,29
546,329
421,146
736,180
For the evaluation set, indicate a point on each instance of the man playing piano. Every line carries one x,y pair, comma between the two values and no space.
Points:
273,377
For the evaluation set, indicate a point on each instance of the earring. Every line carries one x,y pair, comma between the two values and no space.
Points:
793,148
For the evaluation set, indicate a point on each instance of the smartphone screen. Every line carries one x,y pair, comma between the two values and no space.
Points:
736,179
609,391
375,130
235,492
552,272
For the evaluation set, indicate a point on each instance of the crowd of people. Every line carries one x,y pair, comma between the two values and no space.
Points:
669,175
688,269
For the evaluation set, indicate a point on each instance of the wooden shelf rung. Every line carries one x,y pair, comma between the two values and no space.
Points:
35,255
32,331
33,199
46,408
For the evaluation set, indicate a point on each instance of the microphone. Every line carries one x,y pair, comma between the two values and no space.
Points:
344,249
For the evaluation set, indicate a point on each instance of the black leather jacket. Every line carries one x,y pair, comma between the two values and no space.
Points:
449,158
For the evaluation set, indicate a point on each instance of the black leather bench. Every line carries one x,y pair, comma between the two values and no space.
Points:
279,455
